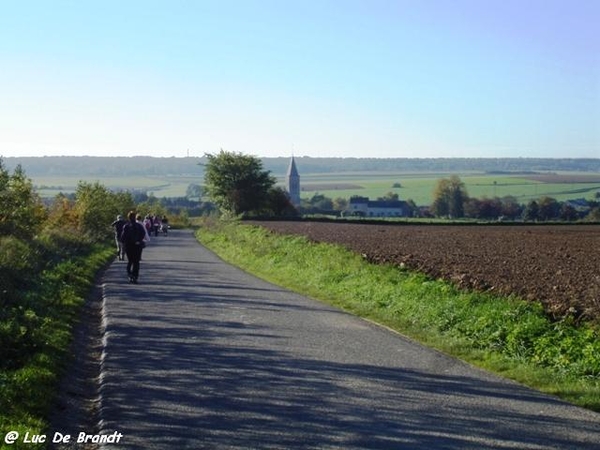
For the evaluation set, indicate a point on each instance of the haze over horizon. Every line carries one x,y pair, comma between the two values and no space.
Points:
376,78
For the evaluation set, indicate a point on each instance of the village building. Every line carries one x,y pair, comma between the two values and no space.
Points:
362,206
293,183
357,206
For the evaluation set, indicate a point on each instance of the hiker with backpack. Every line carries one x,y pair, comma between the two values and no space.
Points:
133,237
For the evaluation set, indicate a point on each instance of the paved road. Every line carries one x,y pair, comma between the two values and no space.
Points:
203,355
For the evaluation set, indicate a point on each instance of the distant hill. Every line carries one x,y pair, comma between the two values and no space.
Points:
89,166
307,164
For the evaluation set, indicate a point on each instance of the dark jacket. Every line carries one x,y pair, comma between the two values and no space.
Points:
133,234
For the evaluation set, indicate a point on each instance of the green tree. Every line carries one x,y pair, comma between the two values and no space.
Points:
390,196
151,206
531,211
413,209
567,212
549,208
449,196
318,202
340,204
278,203
594,215
511,209
22,215
21,210
237,183
96,208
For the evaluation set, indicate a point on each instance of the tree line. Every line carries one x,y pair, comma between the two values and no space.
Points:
451,200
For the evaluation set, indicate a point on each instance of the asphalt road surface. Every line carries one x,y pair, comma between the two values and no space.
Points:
200,354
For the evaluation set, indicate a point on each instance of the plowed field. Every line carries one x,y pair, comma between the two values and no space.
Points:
557,265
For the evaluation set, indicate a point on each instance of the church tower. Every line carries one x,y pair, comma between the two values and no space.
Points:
293,183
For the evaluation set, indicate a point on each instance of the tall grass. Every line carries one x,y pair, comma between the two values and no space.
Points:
506,335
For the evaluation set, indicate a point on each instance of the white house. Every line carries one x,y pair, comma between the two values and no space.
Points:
362,206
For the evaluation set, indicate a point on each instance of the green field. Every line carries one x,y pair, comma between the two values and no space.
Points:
416,186
159,186
420,187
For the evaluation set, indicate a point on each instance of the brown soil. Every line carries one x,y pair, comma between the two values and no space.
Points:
557,265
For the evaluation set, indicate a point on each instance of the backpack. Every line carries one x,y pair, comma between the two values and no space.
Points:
132,233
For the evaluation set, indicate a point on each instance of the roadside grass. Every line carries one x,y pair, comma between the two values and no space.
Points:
508,336
36,334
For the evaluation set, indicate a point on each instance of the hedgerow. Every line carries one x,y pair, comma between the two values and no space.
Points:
48,259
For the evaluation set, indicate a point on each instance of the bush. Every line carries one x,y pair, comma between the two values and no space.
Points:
47,264
17,264
97,208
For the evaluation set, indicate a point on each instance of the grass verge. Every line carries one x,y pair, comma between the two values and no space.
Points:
508,336
36,333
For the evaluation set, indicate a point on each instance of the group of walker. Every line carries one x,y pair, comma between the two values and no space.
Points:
132,235
155,224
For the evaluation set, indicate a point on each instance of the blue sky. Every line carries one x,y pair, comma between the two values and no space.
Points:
349,78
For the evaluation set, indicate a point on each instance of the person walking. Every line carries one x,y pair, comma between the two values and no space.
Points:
164,225
118,226
156,224
133,238
144,224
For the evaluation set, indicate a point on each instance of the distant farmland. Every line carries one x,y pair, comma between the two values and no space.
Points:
420,187
159,186
416,186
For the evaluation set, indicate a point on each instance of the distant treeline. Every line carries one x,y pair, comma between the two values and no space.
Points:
187,166
49,166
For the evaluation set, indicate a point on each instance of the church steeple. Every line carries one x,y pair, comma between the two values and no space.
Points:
293,183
